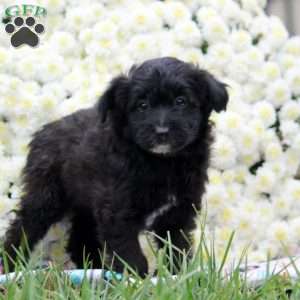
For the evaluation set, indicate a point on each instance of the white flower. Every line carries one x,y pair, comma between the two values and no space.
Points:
176,12
224,153
265,180
63,42
290,111
6,205
72,81
265,112
142,46
289,129
223,234
277,34
258,128
292,46
229,123
292,161
229,175
241,172
105,29
278,93
293,77
205,14
249,159
76,19
216,196
48,103
215,30
27,68
253,5
104,47
95,11
27,104
282,204
159,8
86,36
226,215
273,151
220,54
5,59
238,69
193,55
31,87
244,224
234,191
246,141
295,143
19,147
232,12
54,88
271,71
55,6
266,211
254,92
23,125
280,232
218,5
52,68
4,135
67,107
240,40
253,57
144,20
287,61
7,169
214,176
292,188
4,183
259,26
188,33
294,225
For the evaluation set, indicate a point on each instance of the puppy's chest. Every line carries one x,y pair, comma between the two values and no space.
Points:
151,217
160,189
158,197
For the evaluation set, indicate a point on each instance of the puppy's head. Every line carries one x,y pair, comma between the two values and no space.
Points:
162,104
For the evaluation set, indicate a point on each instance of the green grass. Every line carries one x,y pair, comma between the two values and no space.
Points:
200,277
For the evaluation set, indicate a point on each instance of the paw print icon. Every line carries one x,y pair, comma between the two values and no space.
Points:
24,31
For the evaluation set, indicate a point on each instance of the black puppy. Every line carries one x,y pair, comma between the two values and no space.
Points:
136,160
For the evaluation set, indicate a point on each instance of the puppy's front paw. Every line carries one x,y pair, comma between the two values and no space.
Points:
138,263
142,267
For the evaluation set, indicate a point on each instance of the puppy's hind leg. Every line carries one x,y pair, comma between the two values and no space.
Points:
83,245
40,207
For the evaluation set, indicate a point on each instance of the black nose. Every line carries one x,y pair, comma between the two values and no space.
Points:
161,129
162,133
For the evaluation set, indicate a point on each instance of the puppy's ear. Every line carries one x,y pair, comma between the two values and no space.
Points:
216,92
112,95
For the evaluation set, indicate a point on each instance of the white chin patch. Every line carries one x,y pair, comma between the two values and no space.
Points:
161,149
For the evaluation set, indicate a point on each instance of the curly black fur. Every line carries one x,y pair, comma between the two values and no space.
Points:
143,148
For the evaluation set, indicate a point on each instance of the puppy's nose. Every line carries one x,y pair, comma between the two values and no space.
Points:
161,129
162,133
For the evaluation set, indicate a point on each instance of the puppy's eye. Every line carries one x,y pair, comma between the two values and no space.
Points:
181,101
142,106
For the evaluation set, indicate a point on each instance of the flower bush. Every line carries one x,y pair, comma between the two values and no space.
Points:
253,186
